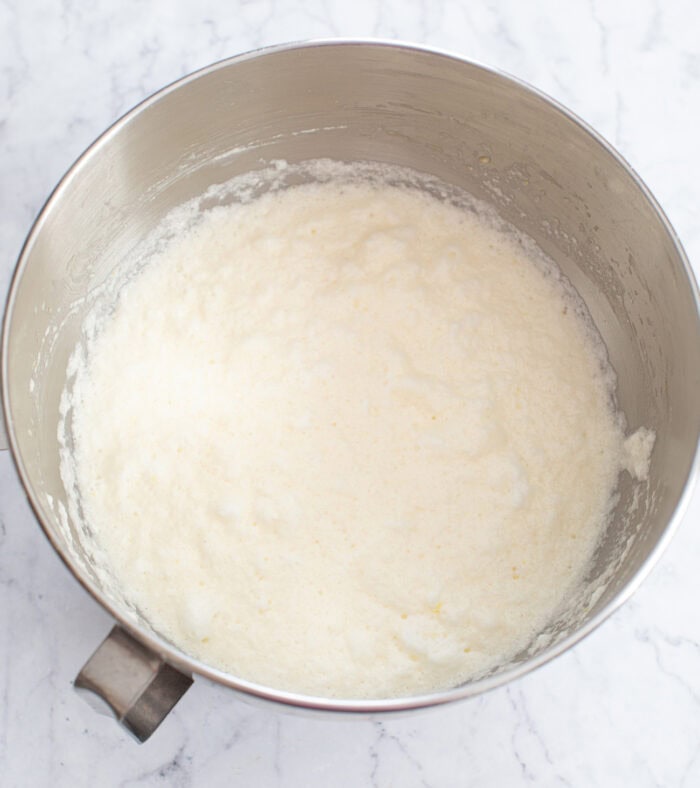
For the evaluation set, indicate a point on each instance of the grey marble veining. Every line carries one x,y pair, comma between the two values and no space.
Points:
623,707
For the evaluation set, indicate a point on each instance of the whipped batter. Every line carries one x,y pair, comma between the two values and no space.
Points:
347,439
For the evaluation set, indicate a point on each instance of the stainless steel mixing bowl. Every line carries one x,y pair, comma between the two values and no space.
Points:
543,169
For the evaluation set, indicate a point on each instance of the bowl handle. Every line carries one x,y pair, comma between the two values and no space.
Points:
137,686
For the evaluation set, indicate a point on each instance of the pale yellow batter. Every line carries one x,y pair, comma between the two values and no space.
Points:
346,440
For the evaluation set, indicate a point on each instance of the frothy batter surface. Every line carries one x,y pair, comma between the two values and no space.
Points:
346,440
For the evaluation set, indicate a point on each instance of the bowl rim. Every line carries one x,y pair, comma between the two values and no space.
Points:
161,646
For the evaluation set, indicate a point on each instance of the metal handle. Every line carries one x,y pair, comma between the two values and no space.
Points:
139,688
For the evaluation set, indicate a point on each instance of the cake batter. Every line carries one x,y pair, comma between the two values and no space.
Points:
347,439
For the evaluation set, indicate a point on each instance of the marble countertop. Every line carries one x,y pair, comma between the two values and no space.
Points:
622,708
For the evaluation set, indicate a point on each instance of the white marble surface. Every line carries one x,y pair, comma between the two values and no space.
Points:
624,707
